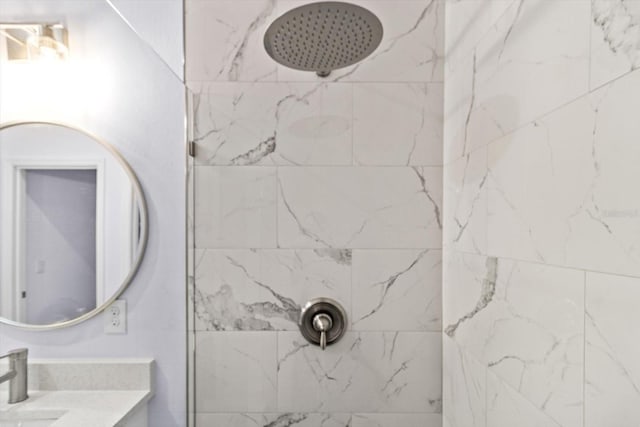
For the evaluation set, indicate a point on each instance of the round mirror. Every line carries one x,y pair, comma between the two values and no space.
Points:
73,225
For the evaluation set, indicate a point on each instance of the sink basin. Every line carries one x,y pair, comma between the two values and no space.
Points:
28,418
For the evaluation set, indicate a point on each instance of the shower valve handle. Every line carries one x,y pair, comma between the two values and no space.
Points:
322,323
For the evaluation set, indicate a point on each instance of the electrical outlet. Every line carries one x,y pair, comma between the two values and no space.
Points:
115,318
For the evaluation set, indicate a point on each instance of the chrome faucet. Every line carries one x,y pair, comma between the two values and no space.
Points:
17,375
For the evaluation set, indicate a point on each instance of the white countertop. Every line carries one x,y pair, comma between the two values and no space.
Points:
82,392
77,408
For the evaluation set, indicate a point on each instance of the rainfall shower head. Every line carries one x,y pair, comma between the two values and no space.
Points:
323,36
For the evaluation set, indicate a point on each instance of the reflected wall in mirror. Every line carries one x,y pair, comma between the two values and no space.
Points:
72,224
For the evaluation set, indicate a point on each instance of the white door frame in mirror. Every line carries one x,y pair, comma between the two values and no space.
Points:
12,185
13,198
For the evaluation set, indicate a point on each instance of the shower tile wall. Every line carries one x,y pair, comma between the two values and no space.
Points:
304,188
541,213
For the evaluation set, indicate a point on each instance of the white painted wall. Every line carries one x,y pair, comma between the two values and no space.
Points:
159,23
121,91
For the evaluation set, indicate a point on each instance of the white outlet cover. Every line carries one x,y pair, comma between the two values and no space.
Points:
115,318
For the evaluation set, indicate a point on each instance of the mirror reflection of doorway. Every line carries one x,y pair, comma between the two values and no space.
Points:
59,237
75,193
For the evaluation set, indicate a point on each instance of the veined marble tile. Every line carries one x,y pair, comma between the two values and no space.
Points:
505,406
239,124
224,40
559,187
236,371
615,39
464,387
466,23
369,372
459,103
539,178
235,207
191,283
533,60
465,203
396,420
411,50
527,325
397,290
468,287
296,419
366,207
612,374
398,124
266,289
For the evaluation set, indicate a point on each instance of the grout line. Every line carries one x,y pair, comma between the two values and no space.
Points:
353,120
311,249
322,166
350,314
307,82
329,412
590,62
278,370
584,353
277,207
481,193
524,261
543,115
295,329
486,390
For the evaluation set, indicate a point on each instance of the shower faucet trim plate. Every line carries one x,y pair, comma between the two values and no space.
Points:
323,321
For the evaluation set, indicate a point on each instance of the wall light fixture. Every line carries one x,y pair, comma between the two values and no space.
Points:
27,42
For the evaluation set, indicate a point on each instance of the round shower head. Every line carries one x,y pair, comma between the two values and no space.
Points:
323,36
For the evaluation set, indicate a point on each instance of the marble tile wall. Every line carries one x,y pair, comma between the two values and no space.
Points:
308,187
541,216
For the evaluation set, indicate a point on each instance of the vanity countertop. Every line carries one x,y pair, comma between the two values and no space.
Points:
84,392
78,408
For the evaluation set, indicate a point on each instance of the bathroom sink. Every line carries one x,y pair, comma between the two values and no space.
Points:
28,418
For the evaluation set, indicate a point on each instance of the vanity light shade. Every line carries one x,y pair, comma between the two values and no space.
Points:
34,41
51,44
